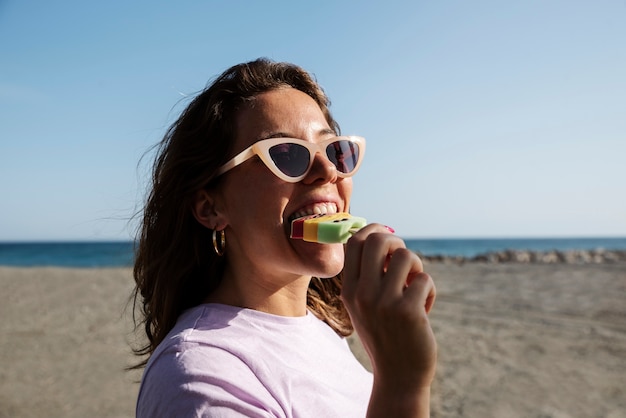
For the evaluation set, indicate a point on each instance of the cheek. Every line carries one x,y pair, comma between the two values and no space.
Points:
345,191
258,195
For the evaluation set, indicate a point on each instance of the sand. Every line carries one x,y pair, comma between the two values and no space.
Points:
514,341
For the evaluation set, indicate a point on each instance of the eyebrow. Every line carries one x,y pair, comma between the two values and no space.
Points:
325,131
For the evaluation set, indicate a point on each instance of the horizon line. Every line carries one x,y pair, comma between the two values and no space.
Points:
425,238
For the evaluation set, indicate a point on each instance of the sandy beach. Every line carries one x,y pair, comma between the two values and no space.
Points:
515,340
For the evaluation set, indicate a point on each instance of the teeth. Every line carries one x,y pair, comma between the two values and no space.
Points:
318,209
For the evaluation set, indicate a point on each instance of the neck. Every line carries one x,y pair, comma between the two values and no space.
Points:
253,292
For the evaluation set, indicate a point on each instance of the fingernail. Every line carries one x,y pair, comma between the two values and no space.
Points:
390,229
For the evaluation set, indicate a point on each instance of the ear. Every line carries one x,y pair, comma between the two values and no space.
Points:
208,212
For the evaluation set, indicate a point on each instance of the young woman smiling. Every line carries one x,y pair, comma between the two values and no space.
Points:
242,320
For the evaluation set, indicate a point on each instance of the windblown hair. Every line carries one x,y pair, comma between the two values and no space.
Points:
175,265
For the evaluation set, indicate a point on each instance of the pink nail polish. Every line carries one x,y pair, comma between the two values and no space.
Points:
390,229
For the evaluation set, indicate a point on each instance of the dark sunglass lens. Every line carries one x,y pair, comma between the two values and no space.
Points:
344,154
291,159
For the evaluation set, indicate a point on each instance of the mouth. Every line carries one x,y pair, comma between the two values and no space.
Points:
323,208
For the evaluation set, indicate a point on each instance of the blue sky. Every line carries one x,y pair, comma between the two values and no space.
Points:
483,118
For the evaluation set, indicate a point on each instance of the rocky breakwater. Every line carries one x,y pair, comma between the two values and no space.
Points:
597,256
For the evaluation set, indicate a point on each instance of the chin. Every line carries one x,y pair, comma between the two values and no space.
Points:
326,276
328,263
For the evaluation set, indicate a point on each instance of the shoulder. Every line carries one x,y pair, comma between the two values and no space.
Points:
194,370
202,378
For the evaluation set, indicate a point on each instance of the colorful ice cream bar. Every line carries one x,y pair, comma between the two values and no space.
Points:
326,229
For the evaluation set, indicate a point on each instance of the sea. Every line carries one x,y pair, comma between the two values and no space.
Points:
120,254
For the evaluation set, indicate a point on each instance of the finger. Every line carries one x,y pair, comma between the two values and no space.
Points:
378,250
421,289
402,266
354,257
351,267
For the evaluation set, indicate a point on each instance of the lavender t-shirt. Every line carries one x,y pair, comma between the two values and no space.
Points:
224,361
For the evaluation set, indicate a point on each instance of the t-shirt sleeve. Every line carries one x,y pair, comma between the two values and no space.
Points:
203,381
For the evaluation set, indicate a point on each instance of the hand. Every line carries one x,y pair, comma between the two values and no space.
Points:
388,297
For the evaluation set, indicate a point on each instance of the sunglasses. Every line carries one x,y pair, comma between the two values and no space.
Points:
291,159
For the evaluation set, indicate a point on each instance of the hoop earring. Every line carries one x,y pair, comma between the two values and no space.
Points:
221,248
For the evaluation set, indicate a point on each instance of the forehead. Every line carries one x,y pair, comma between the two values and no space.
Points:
281,112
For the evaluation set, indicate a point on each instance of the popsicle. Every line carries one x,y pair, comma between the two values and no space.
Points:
326,229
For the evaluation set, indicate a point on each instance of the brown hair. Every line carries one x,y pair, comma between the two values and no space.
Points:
175,266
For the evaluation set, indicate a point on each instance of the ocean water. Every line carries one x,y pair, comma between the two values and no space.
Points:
120,254
67,254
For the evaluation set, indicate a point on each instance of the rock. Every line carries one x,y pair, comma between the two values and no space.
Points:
597,256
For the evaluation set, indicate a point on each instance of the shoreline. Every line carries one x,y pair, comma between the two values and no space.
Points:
597,256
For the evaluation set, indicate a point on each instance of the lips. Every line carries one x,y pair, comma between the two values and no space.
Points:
314,209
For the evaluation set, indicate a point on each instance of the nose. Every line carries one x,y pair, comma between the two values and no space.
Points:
322,170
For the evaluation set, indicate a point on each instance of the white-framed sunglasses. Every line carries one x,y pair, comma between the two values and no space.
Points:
290,159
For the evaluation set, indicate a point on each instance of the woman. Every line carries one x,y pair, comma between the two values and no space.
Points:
241,319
